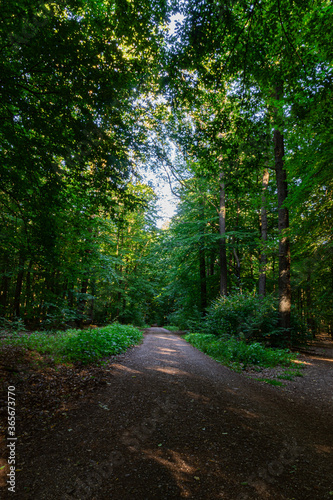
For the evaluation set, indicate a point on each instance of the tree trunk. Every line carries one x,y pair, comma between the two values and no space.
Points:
92,301
18,288
309,316
202,262
212,262
222,242
283,225
203,285
4,288
82,302
28,292
263,227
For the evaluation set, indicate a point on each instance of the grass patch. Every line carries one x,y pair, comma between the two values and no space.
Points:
290,374
172,328
237,354
271,381
85,346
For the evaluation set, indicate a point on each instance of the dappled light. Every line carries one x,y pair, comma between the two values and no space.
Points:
322,358
164,350
178,465
170,370
124,369
198,397
324,449
245,413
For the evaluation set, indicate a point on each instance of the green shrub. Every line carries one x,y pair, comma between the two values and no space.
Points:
186,318
43,342
14,325
92,344
84,346
245,314
237,352
254,318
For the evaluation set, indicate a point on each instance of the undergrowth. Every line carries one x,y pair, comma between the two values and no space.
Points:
237,353
85,346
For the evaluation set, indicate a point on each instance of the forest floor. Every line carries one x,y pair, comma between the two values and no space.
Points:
164,421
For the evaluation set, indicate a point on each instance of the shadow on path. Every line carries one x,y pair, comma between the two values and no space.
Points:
172,423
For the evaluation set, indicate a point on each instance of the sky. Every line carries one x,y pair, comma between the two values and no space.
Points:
167,202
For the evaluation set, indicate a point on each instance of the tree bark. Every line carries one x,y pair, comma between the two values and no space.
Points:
4,288
283,225
82,302
18,288
263,228
311,325
222,243
202,267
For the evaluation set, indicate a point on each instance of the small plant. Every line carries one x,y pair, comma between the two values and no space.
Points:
271,381
14,325
290,374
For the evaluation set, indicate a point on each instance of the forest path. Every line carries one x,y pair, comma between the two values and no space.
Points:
171,423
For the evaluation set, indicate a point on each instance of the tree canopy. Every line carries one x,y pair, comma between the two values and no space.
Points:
233,108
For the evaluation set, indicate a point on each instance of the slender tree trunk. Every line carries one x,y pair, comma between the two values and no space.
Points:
212,262
120,245
92,300
283,225
65,288
18,288
251,267
223,247
4,288
28,285
71,294
82,302
309,316
28,292
202,262
203,284
263,226
234,245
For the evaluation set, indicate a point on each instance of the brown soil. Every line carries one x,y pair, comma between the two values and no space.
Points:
164,421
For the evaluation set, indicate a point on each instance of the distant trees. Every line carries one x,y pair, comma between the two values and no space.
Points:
266,57
71,75
236,106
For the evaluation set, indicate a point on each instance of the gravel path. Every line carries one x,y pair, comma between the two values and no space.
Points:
171,423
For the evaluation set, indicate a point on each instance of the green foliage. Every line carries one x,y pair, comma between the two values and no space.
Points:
187,318
251,317
271,381
171,328
79,112
243,314
50,343
72,133
92,344
237,353
14,325
85,346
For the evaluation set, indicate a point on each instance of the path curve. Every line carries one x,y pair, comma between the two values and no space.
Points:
171,423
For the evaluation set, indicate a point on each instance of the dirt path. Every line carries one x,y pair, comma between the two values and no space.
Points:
170,423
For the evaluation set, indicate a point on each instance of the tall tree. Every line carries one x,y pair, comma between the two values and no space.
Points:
256,43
